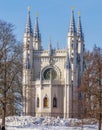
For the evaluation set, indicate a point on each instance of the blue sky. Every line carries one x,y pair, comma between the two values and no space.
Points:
54,18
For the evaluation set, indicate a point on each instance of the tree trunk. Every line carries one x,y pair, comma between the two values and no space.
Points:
99,123
3,114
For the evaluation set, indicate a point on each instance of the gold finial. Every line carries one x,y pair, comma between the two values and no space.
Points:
28,8
79,13
36,14
73,8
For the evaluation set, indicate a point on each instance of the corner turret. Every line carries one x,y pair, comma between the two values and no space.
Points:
80,36
27,64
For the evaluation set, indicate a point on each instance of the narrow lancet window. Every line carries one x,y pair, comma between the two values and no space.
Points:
54,102
37,102
45,102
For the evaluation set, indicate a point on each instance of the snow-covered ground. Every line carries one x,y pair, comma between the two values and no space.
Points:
49,123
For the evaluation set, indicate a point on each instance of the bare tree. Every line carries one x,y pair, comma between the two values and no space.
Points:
91,85
10,70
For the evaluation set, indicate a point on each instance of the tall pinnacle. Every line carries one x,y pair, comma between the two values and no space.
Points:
36,29
79,28
72,28
50,47
28,28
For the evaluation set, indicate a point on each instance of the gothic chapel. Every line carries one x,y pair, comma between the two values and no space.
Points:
51,77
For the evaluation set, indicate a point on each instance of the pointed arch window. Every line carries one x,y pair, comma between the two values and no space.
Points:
37,102
54,102
45,102
50,73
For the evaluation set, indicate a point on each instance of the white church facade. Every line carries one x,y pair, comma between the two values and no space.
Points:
51,77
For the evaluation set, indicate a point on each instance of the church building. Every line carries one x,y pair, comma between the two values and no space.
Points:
51,77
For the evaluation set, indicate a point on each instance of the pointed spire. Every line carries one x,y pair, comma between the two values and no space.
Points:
67,62
28,28
79,28
72,28
36,29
